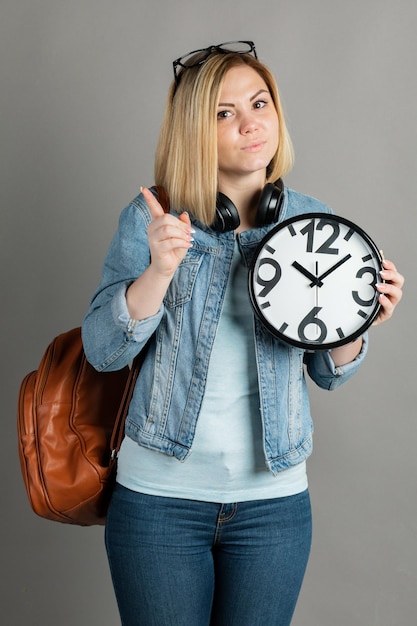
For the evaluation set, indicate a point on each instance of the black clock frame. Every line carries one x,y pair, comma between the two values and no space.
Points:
313,346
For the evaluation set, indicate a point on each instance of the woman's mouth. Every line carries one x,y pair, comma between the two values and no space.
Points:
255,146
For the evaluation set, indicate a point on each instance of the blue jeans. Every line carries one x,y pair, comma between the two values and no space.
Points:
181,562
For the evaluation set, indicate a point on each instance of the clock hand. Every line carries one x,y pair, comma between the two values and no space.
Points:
334,267
317,295
315,281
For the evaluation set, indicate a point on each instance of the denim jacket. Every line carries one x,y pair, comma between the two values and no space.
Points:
167,399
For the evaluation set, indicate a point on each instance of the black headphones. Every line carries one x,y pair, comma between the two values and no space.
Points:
227,216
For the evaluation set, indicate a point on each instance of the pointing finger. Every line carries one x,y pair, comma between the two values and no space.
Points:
185,218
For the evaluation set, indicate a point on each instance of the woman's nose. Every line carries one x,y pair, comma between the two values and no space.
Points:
248,124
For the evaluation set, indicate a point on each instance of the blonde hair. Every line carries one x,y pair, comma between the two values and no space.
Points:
186,162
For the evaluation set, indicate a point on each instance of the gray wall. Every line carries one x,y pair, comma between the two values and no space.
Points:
82,89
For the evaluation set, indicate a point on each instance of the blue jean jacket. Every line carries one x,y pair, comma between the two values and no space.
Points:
167,399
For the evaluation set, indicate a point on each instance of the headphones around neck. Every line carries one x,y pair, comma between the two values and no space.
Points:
227,216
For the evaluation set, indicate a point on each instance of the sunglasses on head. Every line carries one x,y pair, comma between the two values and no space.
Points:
198,57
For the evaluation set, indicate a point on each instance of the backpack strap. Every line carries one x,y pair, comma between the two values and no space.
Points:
163,197
118,429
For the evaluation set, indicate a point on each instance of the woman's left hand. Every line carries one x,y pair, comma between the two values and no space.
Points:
390,290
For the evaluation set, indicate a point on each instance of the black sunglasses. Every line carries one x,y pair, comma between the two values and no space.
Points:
198,57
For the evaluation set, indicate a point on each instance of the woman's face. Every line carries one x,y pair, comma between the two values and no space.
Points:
247,125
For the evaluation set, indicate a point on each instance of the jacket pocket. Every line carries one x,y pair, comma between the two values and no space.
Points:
181,287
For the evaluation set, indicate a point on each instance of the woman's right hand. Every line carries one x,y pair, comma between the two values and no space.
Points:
169,237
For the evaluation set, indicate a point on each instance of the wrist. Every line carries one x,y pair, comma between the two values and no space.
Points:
347,353
145,295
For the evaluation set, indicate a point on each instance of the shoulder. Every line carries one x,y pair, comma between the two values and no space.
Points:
134,219
136,212
297,204
131,234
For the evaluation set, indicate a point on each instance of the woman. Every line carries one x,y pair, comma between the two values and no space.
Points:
210,520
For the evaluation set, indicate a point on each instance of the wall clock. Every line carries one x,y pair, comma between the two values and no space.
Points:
313,281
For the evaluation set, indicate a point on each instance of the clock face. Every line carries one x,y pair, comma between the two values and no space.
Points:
313,281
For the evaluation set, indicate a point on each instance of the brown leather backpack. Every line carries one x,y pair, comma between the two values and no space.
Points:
70,427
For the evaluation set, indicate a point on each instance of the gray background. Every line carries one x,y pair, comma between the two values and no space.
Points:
82,90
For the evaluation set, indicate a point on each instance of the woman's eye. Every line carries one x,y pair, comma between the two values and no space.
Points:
223,114
259,104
